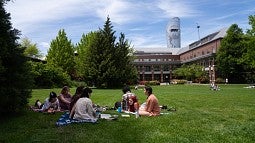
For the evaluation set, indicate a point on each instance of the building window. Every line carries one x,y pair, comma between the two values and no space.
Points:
141,68
147,77
157,68
157,77
147,68
214,50
166,68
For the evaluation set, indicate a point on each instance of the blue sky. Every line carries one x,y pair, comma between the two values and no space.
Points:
142,21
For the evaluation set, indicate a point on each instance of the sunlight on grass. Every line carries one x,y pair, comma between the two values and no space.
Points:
202,115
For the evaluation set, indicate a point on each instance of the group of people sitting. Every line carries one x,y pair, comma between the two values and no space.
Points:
81,107
130,102
55,103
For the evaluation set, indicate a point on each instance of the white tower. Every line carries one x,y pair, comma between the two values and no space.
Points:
173,33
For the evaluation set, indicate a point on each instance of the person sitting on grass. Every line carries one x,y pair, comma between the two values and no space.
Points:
151,107
76,96
125,97
50,105
65,98
83,108
133,104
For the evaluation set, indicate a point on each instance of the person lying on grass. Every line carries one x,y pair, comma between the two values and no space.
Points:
151,107
50,105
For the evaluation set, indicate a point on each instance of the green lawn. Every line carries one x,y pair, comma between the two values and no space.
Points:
202,116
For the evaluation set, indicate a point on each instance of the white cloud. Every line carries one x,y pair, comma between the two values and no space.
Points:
148,41
119,11
172,8
28,12
43,47
143,22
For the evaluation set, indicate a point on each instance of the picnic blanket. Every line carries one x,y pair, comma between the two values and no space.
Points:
65,120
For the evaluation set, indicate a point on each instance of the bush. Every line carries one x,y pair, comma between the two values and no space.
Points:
149,83
49,77
152,83
78,83
201,80
219,80
178,81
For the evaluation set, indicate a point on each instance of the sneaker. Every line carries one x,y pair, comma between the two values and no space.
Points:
36,103
164,107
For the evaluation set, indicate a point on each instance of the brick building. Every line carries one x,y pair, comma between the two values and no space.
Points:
158,63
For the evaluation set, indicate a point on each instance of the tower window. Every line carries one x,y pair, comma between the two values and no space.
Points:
174,30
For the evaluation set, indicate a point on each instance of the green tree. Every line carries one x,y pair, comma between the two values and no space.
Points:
230,54
107,64
191,72
124,59
48,77
107,68
248,57
250,54
83,50
31,49
15,76
61,54
251,32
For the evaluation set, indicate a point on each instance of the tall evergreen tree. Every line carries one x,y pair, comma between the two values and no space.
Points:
107,67
230,54
15,77
61,54
124,58
106,63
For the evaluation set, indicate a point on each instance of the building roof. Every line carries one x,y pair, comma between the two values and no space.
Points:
153,50
211,37
177,51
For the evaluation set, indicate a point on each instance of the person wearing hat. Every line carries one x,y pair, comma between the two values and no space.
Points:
50,105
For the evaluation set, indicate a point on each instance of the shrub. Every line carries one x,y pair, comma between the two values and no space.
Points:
48,77
178,81
149,83
219,80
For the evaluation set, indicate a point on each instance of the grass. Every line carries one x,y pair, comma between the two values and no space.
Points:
202,116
